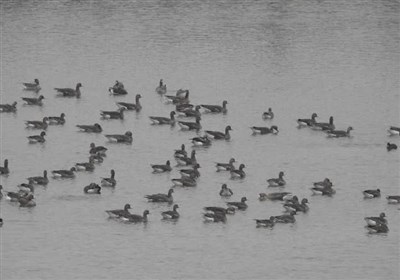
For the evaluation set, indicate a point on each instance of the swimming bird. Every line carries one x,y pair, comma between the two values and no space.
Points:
171,214
326,183
265,222
189,112
33,100
96,158
307,122
85,166
339,133
277,182
27,201
37,138
15,196
373,221
191,172
201,141
131,106
4,169
185,181
134,218
241,205
181,152
96,128
70,92
27,188
164,120
264,130
216,209
214,217
183,107
286,218
238,173
178,99
297,207
119,212
162,88
117,89
32,86
394,130
39,180
55,120
109,182
323,190
120,138
225,166
8,108
191,125
64,173
372,193
38,124
379,228
274,196
391,146
225,191
97,149
160,168
119,114
216,108
269,115
393,199
161,197
220,135
92,188
187,160
323,126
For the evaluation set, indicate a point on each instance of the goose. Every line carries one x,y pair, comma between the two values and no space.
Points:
394,130
32,86
274,196
161,197
117,89
214,217
323,190
131,106
178,99
373,221
8,108
70,92
391,146
190,112
277,182
191,172
120,138
216,108
220,135
225,191
37,138
160,168
38,124
393,199
326,183
119,114
97,149
64,173
238,173
183,107
225,166
264,130
372,193
85,166
4,169
27,201
119,212
134,218
191,125
55,120
323,126
307,122
92,188
33,100
171,214
185,181
297,207
201,141
339,133
161,89
39,180
26,188
286,218
15,196
96,158
269,115
164,120
379,228
216,209
109,182
181,152
96,128
241,205
265,222
187,160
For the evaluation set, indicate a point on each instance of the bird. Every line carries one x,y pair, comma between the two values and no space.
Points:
307,122
238,173
339,133
180,108
265,222
187,160
220,135
286,218
216,108
189,112
225,191
323,126
4,169
70,92
162,88
181,152
109,182
191,172
27,201
32,86
225,166
297,207
391,146
264,130
64,173
191,125
38,124
92,188
8,108
97,149
55,120
394,130
119,212
379,228
39,180
85,166
274,196
164,120
1,194
119,114
323,191
326,183
120,138
37,138
33,100
178,99
95,128
393,199
201,141
161,197
160,168
185,181
131,106
372,193
216,209
171,214
268,115
241,205
277,182
134,218
117,89
27,188
373,221
214,217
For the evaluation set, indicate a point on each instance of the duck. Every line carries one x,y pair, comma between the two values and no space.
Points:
191,172
191,125
27,201
95,128
162,88
201,141
161,197
35,86
120,138
160,168
101,150
391,146
109,182
379,228
274,196
373,221
164,120
4,169
225,166
268,115
393,199
372,193
55,120
218,135
8,108
64,173
171,214
394,130
33,100
265,222
134,218
119,114
189,112
225,191
119,212
38,124
181,152
37,138
241,205
238,173
70,92
216,209
265,130
277,182
131,106
323,126
214,217
307,122
216,108
85,166
117,89
92,188
339,133
39,180
187,160
185,181
286,218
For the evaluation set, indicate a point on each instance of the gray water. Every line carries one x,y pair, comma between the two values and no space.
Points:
335,58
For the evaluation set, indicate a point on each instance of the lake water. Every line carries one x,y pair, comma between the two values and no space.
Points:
335,58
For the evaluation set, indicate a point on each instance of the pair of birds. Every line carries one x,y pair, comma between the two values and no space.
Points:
218,214
323,187
285,219
377,224
68,92
236,173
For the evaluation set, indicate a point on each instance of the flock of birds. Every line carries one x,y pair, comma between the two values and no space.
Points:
189,164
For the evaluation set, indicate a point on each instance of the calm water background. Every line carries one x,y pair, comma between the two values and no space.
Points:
338,58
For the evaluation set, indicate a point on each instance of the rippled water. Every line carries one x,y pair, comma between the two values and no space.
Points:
338,58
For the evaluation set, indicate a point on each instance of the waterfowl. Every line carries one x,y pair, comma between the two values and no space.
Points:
214,217
394,130
39,180
54,120
277,182
161,89
120,138
26,188
109,182
119,212
220,135
37,138
189,112
187,160
339,133
393,199
307,122
27,201
15,196
37,124
131,106
164,120
183,107
70,92
216,209
391,146
92,188
286,218
85,166
379,228
326,183
216,108
264,130
117,89
64,173
119,114
297,207
178,99
185,181
8,108
171,214
96,158
373,221
160,168
225,166
33,100
181,92
96,128
134,218
241,205
32,86
97,149
323,126
323,190
265,222
1,194
191,172
269,115
225,191
372,193
161,197
274,196
4,169
181,152
238,173
191,125
201,141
